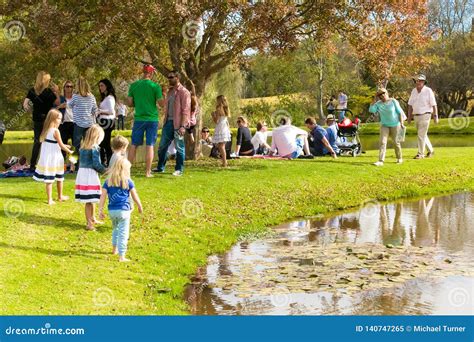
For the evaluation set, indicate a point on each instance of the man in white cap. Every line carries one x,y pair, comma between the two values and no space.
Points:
422,106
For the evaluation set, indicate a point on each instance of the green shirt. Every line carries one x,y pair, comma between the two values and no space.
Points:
389,112
145,94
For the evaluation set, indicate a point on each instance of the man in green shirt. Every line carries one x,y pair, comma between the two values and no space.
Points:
145,95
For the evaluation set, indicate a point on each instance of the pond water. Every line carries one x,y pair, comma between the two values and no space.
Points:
423,250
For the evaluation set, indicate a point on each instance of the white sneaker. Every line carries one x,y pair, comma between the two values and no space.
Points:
379,163
399,161
178,173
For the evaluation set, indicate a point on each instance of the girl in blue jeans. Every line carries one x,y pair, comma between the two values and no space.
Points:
119,187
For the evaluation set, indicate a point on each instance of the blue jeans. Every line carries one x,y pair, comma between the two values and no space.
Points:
121,225
77,135
168,134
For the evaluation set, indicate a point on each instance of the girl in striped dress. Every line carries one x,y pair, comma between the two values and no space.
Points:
50,166
87,188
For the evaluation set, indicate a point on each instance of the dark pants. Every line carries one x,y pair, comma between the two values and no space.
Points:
168,134
105,149
37,129
79,133
67,133
120,122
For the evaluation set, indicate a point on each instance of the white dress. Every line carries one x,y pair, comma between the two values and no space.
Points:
222,131
50,166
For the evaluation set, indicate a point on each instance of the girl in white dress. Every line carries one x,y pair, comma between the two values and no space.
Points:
222,131
50,166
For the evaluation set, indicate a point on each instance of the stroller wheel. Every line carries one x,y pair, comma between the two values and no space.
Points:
354,153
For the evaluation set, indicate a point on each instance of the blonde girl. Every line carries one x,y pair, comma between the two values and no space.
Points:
87,181
222,131
119,188
50,166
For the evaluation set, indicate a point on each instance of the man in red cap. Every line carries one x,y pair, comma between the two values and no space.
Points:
145,95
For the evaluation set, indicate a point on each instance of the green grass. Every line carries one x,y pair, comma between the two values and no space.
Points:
463,126
50,265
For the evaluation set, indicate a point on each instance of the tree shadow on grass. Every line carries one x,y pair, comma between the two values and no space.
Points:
55,252
24,198
49,221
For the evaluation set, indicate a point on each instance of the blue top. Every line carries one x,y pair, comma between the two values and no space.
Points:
389,112
318,133
90,159
332,137
119,197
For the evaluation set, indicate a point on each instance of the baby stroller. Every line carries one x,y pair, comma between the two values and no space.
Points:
348,136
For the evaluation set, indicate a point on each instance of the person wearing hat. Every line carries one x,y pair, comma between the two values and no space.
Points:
145,95
422,106
331,131
391,120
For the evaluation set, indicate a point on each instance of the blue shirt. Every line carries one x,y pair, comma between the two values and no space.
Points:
318,133
332,137
389,112
119,197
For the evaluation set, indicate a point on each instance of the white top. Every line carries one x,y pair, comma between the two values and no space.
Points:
342,101
423,101
284,139
108,105
121,109
68,112
258,139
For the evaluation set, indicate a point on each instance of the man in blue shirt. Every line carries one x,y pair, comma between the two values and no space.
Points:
319,145
331,131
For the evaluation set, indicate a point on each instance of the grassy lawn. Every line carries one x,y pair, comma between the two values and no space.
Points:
463,126
50,265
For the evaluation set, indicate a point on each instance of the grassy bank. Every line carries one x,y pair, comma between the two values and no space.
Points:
50,265
463,126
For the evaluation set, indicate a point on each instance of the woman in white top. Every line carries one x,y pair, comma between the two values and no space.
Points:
106,118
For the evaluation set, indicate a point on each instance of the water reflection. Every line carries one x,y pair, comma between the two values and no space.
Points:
445,222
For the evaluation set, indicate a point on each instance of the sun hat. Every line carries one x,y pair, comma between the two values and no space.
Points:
330,117
381,91
420,77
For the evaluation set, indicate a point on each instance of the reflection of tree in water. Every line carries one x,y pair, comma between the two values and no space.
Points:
444,221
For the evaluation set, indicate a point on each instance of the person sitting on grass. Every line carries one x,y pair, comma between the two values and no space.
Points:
119,146
206,142
259,140
290,141
331,131
319,138
244,145
119,187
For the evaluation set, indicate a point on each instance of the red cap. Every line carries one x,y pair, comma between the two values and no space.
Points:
148,68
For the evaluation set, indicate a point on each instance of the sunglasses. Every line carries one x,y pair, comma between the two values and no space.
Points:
205,131
69,86
382,94
171,77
